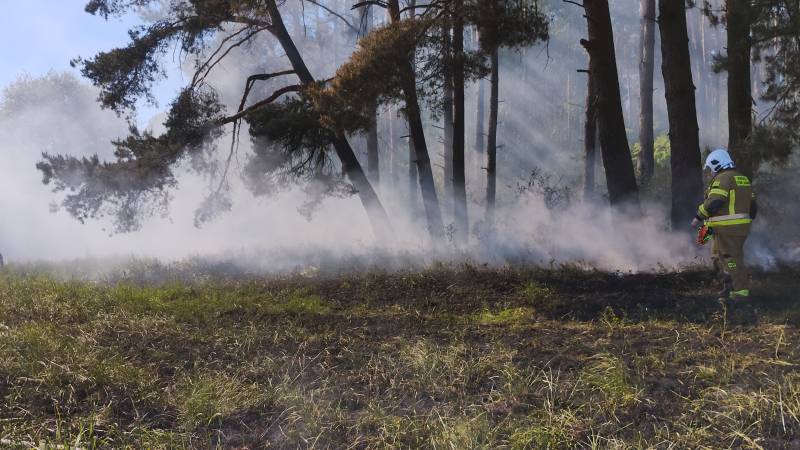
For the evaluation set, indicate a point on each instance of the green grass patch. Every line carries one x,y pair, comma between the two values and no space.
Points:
609,376
208,400
300,303
507,316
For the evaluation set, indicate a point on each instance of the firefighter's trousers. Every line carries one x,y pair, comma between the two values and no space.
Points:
727,252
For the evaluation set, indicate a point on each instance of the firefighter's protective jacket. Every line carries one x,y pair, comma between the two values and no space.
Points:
729,206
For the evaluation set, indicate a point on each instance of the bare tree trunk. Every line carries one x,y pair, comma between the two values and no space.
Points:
676,67
413,177
590,137
620,177
408,82
479,112
459,169
491,141
447,119
381,226
373,156
392,166
645,160
740,100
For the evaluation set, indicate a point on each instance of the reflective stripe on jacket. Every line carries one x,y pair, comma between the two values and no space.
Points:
727,202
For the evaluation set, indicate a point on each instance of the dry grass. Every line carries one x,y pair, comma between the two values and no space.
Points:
444,358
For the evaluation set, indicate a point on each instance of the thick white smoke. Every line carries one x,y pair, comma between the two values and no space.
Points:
269,234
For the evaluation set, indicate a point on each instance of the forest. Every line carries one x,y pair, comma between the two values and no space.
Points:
344,134
406,224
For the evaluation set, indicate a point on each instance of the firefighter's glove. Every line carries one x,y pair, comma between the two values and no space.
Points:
704,235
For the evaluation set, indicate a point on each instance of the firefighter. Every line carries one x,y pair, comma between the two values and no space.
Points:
728,210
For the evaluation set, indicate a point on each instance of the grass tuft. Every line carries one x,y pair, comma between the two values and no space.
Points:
210,400
505,317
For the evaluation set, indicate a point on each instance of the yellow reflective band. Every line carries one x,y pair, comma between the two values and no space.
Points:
740,293
742,180
725,223
732,203
715,184
729,217
702,210
721,192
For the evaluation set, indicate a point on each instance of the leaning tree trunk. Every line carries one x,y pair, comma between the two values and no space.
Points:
740,99
590,137
645,158
459,169
447,117
491,141
620,177
413,113
381,226
676,67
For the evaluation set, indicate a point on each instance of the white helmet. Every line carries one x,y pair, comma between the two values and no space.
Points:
718,160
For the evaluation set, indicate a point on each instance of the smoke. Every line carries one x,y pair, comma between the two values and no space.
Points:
541,116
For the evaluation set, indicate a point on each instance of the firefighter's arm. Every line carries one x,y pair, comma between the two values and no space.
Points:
716,199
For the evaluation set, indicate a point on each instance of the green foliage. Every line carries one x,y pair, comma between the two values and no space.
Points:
137,184
289,143
126,74
371,76
775,27
659,185
108,8
661,151
775,31
507,23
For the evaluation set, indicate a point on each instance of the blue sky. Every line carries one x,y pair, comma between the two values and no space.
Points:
37,36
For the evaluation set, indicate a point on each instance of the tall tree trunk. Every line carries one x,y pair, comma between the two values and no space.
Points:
491,141
413,113
392,166
590,137
459,169
373,157
413,173
676,67
381,226
740,100
479,110
620,177
413,177
645,160
447,118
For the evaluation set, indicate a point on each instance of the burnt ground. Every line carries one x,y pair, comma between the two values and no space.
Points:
453,357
